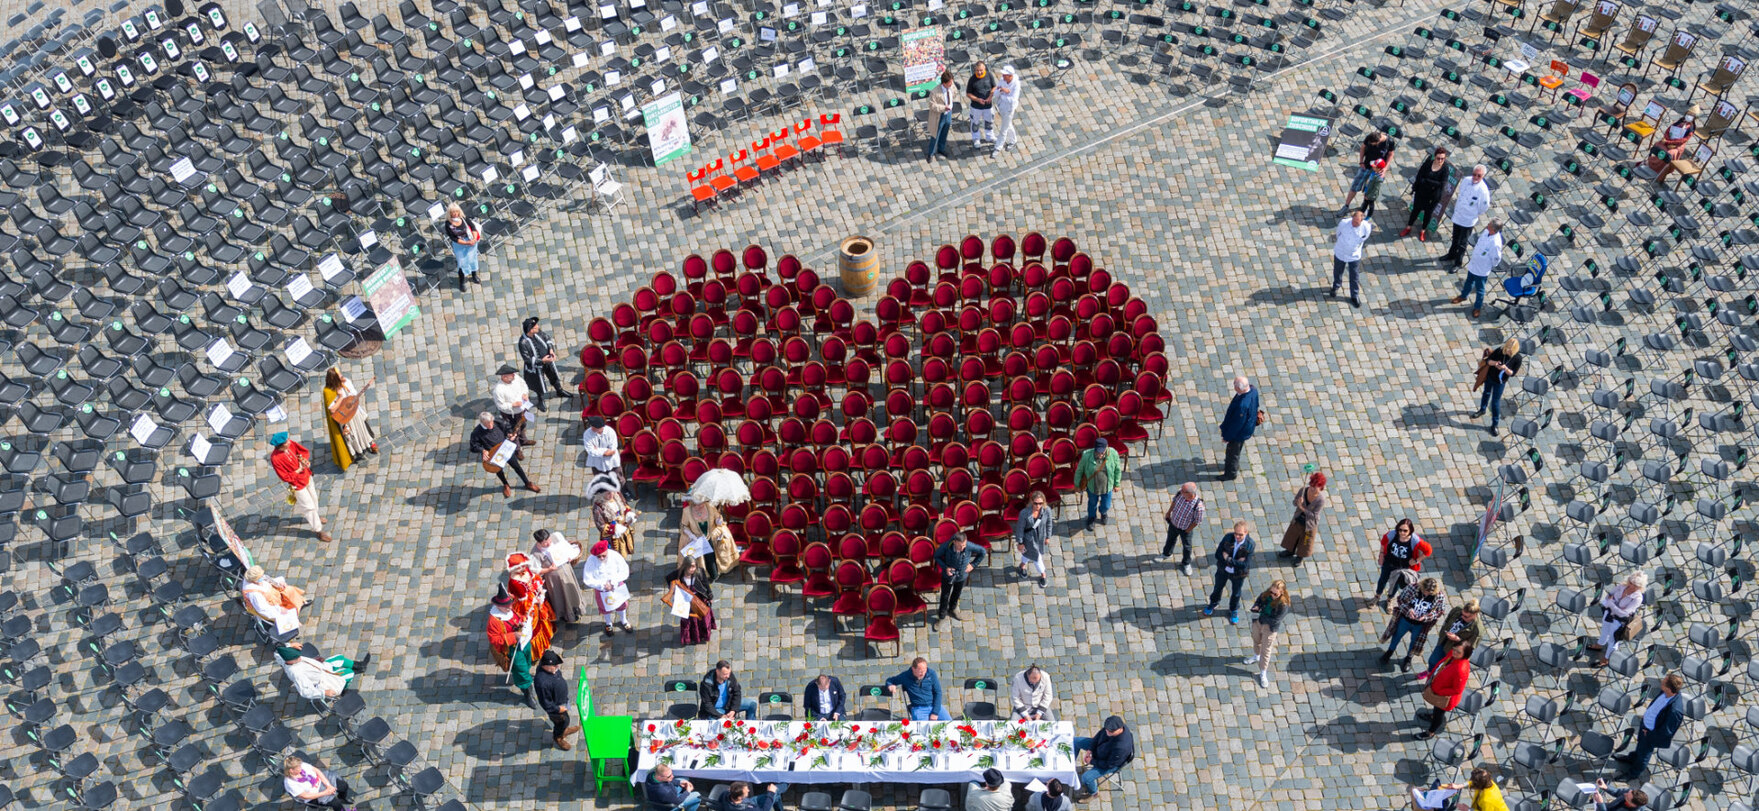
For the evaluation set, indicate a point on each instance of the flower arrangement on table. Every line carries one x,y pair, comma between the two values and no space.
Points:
826,744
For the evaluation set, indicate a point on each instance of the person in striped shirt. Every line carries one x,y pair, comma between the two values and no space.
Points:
1183,516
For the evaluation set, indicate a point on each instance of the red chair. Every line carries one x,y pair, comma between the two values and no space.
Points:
915,457
852,582
1130,409
1040,473
830,135
673,455
1016,482
754,258
757,529
1001,248
803,490
837,520
919,276
991,501
873,518
901,577
1064,455
723,263
786,570
693,469
711,440
817,561
646,447
928,576
992,457
875,459
882,623
834,461
919,487
916,519
784,151
1063,250
893,545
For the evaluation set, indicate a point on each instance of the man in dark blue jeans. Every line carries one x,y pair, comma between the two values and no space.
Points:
1233,559
922,692
1107,752
940,106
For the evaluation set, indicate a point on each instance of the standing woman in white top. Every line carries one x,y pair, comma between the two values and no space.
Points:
1007,101
1346,254
1619,609
1033,531
556,556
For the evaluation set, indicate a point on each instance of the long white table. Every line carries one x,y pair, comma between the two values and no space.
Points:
883,751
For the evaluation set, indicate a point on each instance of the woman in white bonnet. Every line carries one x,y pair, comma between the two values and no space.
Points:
1007,102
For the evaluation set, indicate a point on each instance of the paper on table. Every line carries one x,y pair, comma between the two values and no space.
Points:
680,603
219,417
530,173
182,170
517,158
276,413
1036,785
142,429
572,24
569,135
436,211
199,447
218,352
489,175
581,59
1432,799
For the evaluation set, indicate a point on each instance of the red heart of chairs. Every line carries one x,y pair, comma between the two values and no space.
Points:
869,439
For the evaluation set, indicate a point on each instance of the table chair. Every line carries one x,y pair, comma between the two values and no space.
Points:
982,710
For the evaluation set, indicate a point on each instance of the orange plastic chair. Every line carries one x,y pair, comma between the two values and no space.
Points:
809,144
765,159
722,183
783,150
746,174
829,135
701,193
1555,79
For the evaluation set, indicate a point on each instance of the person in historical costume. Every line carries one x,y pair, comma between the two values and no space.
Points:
696,628
555,556
537,360
292,464
272,601
320,678
531,599
354,436
1301,538
616,519
510,637
607,574
703,523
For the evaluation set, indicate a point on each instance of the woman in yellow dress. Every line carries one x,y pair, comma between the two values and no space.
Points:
355,437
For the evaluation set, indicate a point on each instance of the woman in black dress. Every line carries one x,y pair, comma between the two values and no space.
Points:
1427,190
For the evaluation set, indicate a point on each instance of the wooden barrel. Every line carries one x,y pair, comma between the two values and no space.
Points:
858,264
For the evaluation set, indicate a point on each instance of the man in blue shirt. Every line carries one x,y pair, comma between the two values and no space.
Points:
922,692
1239,424
1107,752
719,696
668,793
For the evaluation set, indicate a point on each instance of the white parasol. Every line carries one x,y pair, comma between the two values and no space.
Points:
719,487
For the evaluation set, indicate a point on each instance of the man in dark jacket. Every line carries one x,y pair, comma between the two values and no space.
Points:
824,699
666,792
719,696
1107,752
955,558
1233,559
1239,424
1660,721
484,439
552,695
742,797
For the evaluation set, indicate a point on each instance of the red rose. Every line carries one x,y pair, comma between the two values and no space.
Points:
680,723
906,735
905,722
937,744
751,730
824,741
856,728
728,724
650,727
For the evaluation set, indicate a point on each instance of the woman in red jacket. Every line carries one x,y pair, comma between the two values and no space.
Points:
1445,688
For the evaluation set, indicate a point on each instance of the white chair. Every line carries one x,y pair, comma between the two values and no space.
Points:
607,191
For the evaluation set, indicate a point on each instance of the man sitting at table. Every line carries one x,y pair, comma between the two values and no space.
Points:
825,699
1107,752
1032,695
990,795
739,797
922,692
719,694
668,793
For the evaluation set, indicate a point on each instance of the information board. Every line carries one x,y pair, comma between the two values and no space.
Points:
1302,143
387,289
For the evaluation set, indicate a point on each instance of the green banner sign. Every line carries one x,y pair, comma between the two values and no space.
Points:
387,290
1302,143
668,133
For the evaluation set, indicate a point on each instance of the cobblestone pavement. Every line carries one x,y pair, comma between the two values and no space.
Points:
1171,192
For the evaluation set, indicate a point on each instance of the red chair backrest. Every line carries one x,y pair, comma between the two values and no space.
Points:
881,601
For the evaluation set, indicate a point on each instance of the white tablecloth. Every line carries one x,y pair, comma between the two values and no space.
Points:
844,767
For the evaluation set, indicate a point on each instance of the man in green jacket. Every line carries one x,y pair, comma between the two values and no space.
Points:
1462,627
1100,470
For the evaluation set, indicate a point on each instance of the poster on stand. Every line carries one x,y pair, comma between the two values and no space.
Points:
387,290
668,133
925,56
1302,143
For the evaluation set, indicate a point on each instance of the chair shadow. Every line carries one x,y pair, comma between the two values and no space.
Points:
1187,664
1114,565
561,780
500,739
1348,734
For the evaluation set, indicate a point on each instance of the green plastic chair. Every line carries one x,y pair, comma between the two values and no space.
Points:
608,738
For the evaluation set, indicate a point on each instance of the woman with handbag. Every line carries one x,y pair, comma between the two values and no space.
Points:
555,557
699,524
1033,531
1271,607
1303,532
351,434
696,628
1618,616
1494,370
616,520
1446,688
